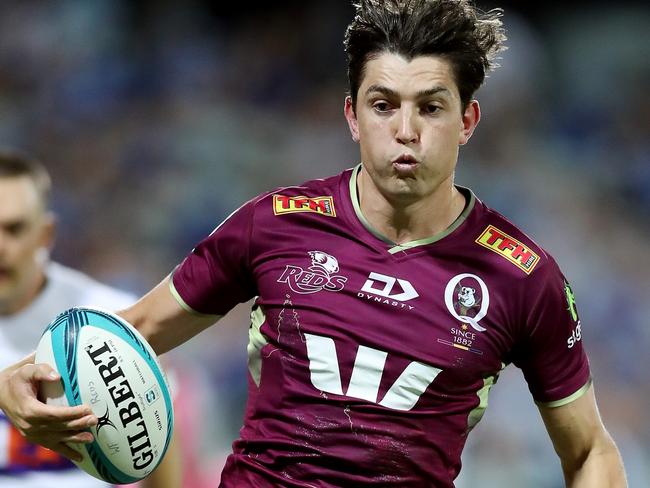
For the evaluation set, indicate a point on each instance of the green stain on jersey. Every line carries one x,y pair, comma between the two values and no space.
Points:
571,301
477,413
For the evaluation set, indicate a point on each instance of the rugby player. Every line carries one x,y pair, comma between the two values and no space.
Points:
33,290
387,298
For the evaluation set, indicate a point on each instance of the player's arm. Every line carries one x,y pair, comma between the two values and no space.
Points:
168,474
217,267
588,454
162,321
165,324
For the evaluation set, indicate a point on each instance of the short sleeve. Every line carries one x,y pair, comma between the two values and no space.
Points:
216,275
551,353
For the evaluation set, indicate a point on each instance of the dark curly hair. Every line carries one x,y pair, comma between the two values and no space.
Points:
453,29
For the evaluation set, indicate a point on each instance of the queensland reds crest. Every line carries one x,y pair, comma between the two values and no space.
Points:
467,299
321,275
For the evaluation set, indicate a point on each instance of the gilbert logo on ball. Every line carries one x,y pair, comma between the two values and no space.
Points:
105,363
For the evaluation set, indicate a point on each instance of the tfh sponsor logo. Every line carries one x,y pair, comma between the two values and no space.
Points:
321,275
508,247
283,204
389,290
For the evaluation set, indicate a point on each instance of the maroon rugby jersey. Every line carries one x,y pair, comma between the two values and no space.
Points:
369,362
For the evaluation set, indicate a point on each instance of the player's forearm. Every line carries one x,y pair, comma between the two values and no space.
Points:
168,474
162,321
601,468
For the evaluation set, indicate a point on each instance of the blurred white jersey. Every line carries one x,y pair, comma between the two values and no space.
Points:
23,465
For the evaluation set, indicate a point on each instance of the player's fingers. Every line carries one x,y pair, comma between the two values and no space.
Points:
39,372
61,426
42,413
80,424
40,417
76,436
51,438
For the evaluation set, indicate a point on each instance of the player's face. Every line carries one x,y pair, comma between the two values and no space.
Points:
25,232
409,122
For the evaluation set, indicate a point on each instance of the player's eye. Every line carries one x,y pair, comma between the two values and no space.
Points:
15,228
430,108
381,106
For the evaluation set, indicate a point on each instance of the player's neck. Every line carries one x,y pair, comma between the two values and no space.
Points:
404,221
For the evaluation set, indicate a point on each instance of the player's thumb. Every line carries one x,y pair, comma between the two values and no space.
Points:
44,372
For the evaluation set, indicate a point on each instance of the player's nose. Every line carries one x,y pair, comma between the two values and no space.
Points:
406,128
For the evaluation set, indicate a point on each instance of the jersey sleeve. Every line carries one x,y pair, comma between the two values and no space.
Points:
216,275
551,353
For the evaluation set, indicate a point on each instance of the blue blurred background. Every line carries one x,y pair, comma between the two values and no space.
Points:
157,119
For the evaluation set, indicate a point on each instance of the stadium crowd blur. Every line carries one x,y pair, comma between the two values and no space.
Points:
157,119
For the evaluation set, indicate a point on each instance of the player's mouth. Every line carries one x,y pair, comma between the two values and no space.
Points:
5,273
405,165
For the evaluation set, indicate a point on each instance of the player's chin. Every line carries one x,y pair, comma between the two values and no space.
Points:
405,190
7,287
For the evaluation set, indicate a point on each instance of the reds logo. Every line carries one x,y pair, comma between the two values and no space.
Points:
319,276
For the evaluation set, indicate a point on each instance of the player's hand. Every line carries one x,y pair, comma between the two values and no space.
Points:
48,425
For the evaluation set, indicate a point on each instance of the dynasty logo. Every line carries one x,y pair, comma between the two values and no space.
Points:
388,290
319,276
283,204
508,247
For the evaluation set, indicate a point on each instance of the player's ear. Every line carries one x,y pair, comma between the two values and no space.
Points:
351,117
48,232
470,119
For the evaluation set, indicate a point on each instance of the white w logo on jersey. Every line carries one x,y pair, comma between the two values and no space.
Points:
366,375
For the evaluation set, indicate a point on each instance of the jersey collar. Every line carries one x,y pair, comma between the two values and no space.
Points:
470,199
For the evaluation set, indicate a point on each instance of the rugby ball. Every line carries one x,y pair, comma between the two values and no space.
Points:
105,363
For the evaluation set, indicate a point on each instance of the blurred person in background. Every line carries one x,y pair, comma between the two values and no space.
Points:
337,264
33,290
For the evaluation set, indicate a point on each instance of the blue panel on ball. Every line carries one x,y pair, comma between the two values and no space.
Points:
105,468
64,333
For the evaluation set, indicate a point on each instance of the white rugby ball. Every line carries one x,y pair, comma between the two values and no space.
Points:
105,363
